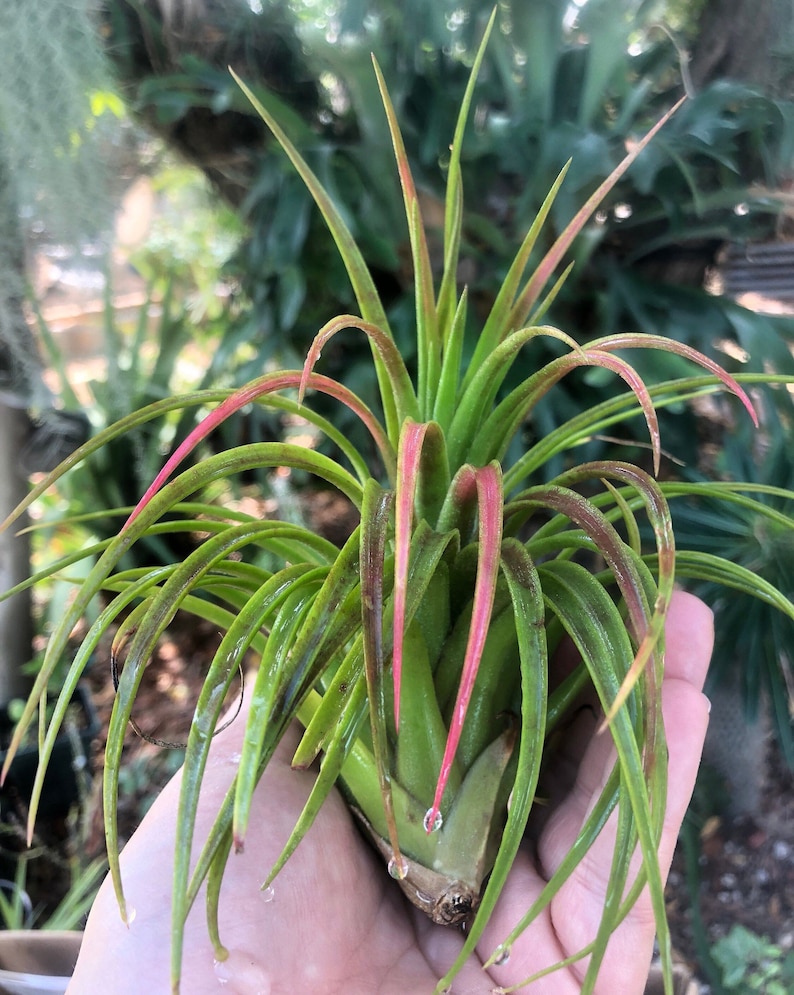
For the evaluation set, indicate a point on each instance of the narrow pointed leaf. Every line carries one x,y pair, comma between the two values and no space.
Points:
487,481
644,341
374,529
497,327
427,333
551,260
239,399
272,671
529,611
409,455
453,215
363,285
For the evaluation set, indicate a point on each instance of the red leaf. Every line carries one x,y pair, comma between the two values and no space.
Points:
268,384
490,500
409,456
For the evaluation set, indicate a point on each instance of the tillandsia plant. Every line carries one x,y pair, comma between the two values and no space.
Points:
416,657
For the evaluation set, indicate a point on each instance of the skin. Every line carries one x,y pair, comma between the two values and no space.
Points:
337,925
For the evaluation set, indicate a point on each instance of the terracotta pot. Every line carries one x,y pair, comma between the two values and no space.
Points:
37,962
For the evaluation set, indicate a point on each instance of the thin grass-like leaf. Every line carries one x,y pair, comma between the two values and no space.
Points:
252,391
427,332
528,608
659,517
602,808
487,481
363,285
529,295
477,398
409,455
336,750
594,624
497,326
269,676
81,660
239,636
160,610
506,418
644,341
621,560
453,206
449,377
374,530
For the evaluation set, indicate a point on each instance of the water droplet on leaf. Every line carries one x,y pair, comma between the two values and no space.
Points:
267,894
130,912
432,822
398,868
501,956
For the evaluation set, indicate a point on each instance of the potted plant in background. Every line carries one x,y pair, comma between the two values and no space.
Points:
416,656
41,960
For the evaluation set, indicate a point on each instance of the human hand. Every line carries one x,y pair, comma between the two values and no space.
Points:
338,925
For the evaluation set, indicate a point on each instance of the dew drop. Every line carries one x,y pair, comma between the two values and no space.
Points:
221,972
267,894
241,971
129,913
398,869
431,822
501,956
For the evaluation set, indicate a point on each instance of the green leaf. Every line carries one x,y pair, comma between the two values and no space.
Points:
528,610
363,285
594,624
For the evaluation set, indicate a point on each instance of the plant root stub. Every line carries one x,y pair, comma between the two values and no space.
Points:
446,901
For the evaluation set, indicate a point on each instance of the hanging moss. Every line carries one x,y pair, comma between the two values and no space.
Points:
51,169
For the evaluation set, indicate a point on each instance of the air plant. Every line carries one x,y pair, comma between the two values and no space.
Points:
416,657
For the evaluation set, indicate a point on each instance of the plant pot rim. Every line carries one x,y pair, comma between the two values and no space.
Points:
37,962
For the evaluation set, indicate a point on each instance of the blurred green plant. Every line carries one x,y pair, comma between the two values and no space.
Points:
745,519
752,963
191,238
167,348
17,910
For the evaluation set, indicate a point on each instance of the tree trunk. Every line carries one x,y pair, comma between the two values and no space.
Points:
150,39
16,627
19,367
734,41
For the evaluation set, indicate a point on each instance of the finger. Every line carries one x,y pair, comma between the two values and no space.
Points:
575,913
689,641
689,638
